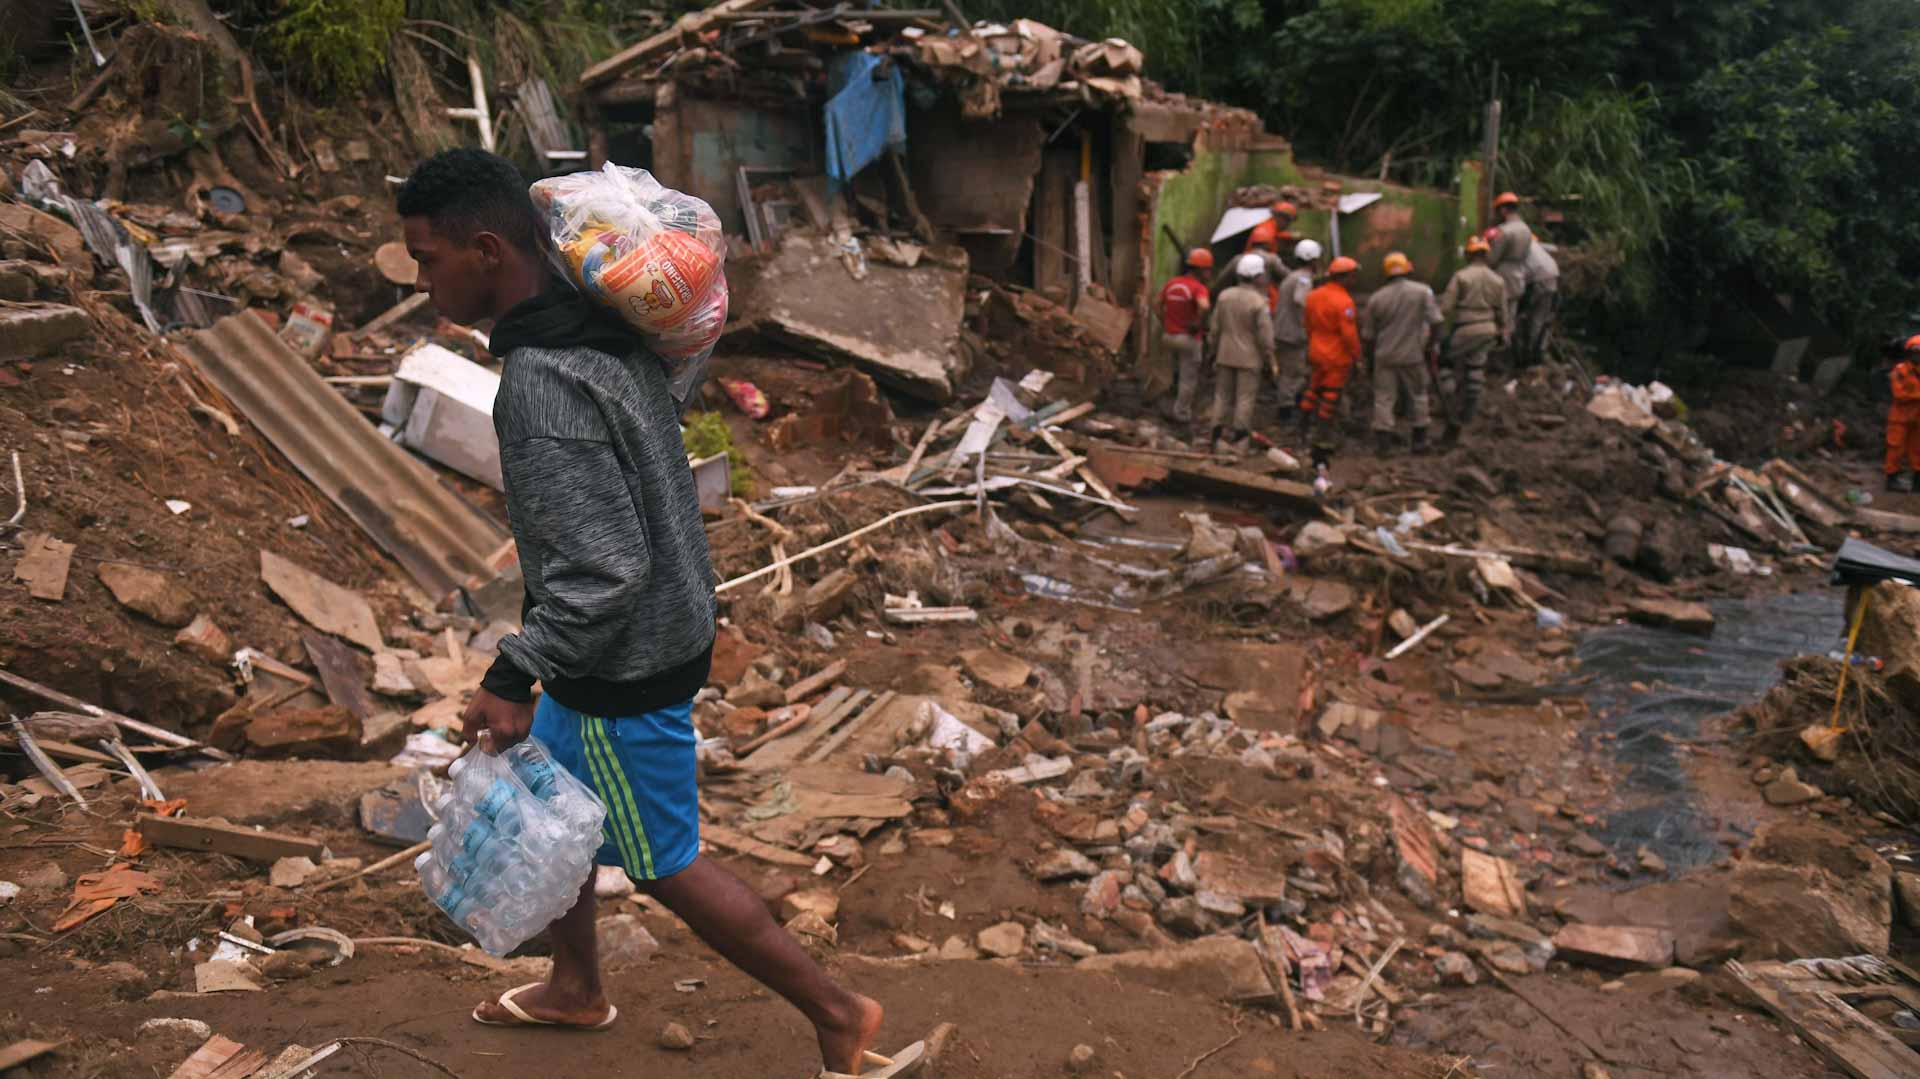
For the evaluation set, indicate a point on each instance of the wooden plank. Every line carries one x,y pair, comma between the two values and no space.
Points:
727,838
64,750
815,682
917,616
44,567
1853,1043
209,1058
685,27
394,314
840,737
24,1050
343,671
220,837
1886,521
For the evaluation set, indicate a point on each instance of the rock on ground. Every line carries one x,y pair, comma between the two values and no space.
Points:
1807,891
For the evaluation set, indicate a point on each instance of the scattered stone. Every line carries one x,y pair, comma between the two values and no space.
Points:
285,966
189,1030
813,929
1103,893
911,944
1238,879
390,677
1651,862
1586,846
754,690
1787,789
1228,967
1183,915
127,981
291,872
148,592
1490,884
1906,889
1554,647
1064,863
43,880
820,901
1671,614
1317,536
1615,947
1456,969
1082,1059
624,941
1505,956
996,668
1179,872
611,882
1002,941
675,1037
330,731
1044,937
956,947
204,639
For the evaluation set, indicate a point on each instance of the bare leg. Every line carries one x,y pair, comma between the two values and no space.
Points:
572,994
734,922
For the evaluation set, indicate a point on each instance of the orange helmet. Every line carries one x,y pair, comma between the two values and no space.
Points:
1506,198
1200,258
1266,233
1477,245
1396,264
1913,343
1341,265
1286,208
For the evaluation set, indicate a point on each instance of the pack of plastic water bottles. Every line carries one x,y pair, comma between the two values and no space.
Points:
513,844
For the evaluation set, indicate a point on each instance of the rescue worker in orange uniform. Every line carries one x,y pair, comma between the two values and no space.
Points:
1184,302
1333,347
1903,420
1284,214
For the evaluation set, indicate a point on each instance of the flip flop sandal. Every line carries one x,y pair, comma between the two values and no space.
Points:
904,1063
523,1019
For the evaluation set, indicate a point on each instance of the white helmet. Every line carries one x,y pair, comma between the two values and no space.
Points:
1306,251
1250,265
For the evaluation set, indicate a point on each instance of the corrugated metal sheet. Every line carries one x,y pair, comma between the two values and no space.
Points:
437,538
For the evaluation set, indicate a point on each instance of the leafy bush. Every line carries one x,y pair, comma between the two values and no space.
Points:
706,434
336,46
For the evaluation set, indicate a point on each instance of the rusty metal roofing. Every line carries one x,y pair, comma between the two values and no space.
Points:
435,536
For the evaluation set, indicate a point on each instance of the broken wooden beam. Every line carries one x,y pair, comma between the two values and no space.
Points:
840,737
916,616
220,837
1885,520
815,682
158,734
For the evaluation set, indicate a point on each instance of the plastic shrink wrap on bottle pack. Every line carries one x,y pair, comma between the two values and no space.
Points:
652,254
513,844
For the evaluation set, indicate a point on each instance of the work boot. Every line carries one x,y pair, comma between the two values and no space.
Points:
1383,443
1449,436
1420,441
1899,481
1322,457
1306,425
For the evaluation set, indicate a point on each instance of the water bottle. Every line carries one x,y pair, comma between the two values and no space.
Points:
513,845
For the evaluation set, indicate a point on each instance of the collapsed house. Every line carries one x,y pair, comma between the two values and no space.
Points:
1009,171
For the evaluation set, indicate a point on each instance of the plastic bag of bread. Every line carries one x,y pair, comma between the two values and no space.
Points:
652,254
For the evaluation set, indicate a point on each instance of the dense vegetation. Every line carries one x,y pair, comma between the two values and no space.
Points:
1703,151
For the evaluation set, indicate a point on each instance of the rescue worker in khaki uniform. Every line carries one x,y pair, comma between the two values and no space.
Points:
1535,325
1242,333
1290,325
1263,241
1333,347
1512,241
1184,302
1903,419
1396,326
1475,302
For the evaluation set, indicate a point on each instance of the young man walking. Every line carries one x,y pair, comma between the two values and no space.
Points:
618,620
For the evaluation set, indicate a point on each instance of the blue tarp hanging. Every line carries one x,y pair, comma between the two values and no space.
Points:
865,116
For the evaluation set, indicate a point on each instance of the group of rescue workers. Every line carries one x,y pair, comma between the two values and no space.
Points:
1304,327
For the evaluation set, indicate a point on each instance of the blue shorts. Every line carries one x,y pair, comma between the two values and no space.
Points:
643,768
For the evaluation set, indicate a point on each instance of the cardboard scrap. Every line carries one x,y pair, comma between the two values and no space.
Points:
322,604
225,976
44,567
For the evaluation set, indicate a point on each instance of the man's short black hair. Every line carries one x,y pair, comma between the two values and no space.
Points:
465,191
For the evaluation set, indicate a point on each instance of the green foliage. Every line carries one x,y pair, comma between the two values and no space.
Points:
336,46
706,434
